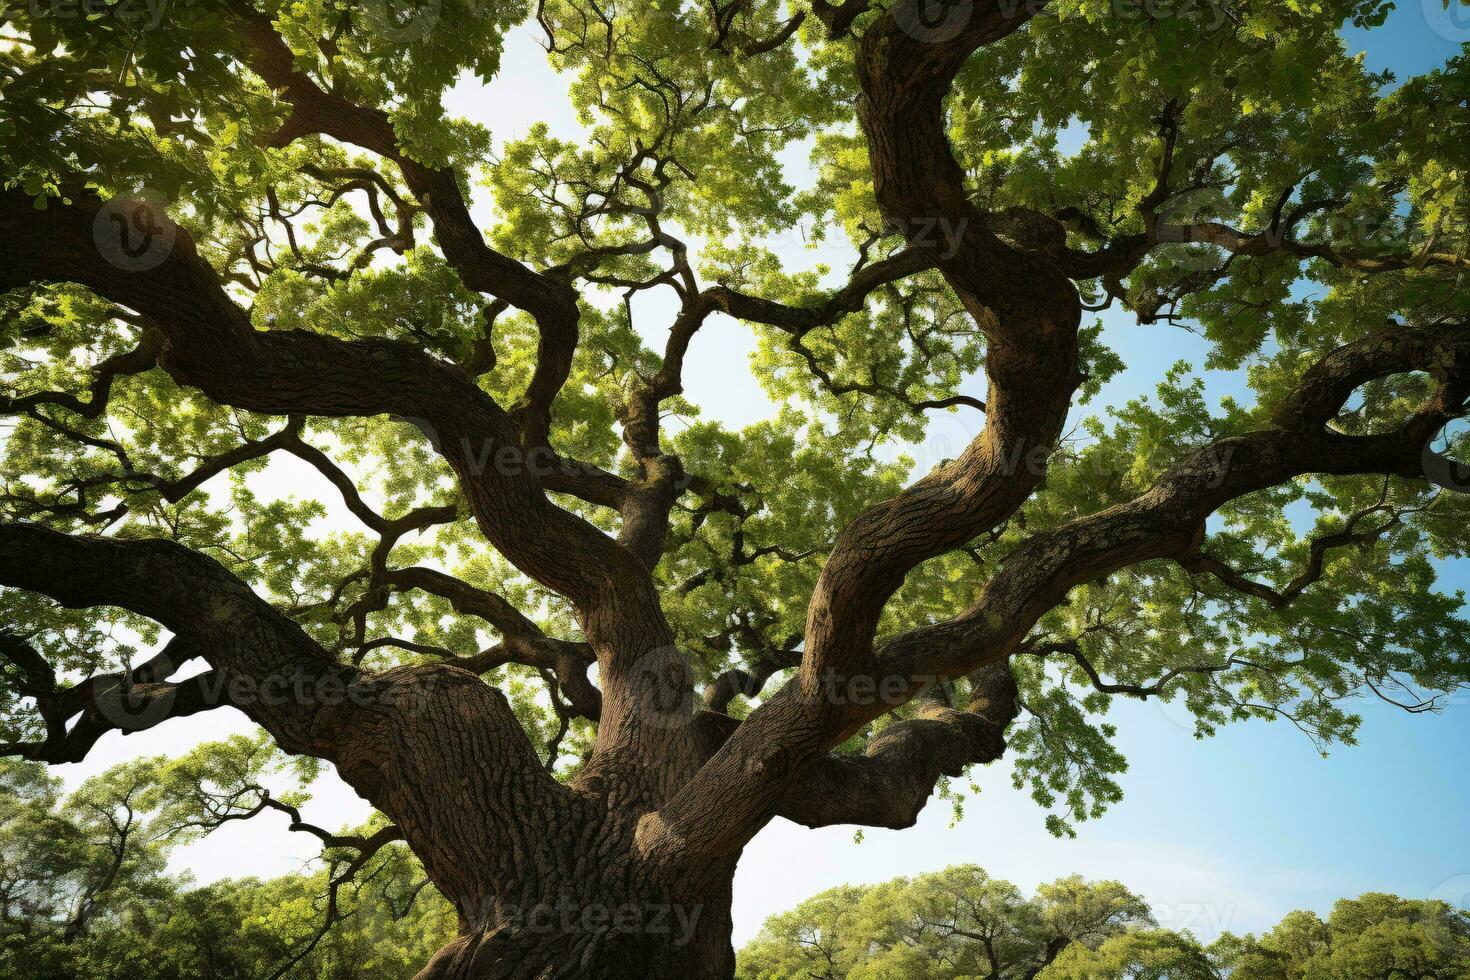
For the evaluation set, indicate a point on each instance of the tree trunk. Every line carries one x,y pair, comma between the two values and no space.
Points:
549,879
608,937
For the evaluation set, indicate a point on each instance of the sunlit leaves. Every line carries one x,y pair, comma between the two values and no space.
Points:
954,923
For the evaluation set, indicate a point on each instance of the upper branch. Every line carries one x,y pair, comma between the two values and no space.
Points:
210,344
764,753
551,301
1029,312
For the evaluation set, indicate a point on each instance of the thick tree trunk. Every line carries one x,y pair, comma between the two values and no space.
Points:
549,879
604,937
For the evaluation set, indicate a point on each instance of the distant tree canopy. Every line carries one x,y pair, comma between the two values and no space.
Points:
962,924
959,922
1372,937
84,891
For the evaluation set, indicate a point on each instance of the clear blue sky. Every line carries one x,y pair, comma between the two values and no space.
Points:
1227,833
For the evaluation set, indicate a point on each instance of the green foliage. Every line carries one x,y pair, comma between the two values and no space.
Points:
1374,935
85,892
961,923
952,924
1267,110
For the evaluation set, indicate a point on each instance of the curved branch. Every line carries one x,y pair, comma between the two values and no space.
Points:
259,654
551,301
127,701
766,753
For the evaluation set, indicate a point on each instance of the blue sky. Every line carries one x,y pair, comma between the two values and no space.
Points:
1227,833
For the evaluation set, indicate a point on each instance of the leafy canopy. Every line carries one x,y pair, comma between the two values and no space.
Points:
689,168
961,923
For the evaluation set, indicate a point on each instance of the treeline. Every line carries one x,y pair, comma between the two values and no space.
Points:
85,890
962,924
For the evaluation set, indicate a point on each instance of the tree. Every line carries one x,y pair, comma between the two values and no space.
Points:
961,923
578,656
84,891
1374,935
954,923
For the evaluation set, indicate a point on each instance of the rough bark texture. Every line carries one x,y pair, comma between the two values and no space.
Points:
626,871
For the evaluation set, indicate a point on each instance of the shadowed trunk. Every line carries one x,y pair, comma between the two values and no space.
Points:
548,879
596,933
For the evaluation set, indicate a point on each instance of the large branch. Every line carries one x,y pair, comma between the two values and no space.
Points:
610,586
210,344
523,642
262,660
1168,520
123,701
766,752
889,784
1029,312
551,301
399,737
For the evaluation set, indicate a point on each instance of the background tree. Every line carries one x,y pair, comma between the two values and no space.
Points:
1374,935
954,923
586,644
959,922
86,893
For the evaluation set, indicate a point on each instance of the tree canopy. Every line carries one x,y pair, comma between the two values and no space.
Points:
961,923
85,892
954,923
525,583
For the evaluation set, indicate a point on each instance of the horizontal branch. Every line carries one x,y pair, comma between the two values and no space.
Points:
124,701
211,612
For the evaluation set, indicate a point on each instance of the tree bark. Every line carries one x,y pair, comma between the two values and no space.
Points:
547,878
602,931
